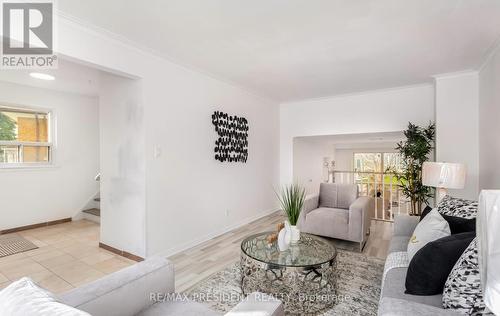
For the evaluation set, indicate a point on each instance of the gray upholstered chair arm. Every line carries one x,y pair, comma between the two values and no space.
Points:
258,304
125,292
359,218
404,225
311,203
397,307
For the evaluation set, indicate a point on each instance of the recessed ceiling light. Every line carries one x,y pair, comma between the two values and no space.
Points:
41,76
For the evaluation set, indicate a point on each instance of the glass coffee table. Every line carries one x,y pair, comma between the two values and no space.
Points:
304,277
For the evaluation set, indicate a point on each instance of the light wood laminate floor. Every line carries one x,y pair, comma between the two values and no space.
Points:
198,263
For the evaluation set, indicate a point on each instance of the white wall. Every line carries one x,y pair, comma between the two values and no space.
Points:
308,169
187,191
489,124
457,126
30,196
378,111
122,159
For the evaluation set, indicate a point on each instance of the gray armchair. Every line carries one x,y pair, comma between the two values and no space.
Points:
337,212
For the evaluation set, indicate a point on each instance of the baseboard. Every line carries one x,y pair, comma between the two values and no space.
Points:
32,226
193,243
122,253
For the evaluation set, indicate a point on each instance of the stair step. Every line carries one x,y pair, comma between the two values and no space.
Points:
97,199
93,211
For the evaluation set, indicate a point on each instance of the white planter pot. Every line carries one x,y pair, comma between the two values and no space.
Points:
295,234
284,238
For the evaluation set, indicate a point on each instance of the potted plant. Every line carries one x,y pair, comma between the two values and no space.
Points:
414,151
292,199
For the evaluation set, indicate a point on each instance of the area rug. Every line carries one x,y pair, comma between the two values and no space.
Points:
13,243
359,281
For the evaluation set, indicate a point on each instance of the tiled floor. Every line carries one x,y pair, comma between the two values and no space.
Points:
68,256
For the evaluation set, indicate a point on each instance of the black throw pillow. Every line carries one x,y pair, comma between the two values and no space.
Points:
457,224
431,265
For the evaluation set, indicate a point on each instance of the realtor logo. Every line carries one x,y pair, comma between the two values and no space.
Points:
28,35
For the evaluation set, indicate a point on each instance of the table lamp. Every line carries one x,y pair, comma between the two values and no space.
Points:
443,176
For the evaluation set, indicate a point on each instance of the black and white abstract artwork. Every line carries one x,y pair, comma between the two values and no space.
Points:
232,142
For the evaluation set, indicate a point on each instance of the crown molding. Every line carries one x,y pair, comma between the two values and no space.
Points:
130,44
359,93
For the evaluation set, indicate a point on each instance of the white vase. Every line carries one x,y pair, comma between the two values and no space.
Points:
295,232
284,238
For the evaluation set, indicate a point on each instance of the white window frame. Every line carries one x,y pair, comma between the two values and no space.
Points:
50,133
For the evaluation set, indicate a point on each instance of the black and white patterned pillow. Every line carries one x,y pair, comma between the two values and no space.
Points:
462,290
458,207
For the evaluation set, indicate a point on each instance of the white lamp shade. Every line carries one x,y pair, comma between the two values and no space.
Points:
444,175
488,236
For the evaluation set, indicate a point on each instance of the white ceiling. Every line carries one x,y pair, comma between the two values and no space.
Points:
70,77
297,49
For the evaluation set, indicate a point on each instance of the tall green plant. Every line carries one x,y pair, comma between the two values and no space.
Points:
415,150
292,199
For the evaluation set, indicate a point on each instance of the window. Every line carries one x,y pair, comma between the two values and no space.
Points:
377,162
24,137
368,162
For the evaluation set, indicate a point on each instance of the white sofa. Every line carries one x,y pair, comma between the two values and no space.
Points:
132,291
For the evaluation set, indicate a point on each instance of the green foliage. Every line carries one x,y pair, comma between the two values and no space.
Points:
7,128
415,150
292,199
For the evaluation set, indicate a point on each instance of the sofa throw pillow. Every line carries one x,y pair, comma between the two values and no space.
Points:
23,297
431,265
462,290
457,224
458,207
431,228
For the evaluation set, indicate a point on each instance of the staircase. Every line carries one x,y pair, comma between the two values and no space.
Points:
93,210
93,213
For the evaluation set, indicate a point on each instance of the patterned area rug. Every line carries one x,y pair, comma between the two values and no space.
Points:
359,283
13,243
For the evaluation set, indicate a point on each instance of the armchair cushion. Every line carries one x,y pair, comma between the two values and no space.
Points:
336,195
346,195
327,221
328,195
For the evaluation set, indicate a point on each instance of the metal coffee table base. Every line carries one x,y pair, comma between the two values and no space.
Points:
303,290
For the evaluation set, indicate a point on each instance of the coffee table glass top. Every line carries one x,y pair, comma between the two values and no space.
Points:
309,251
